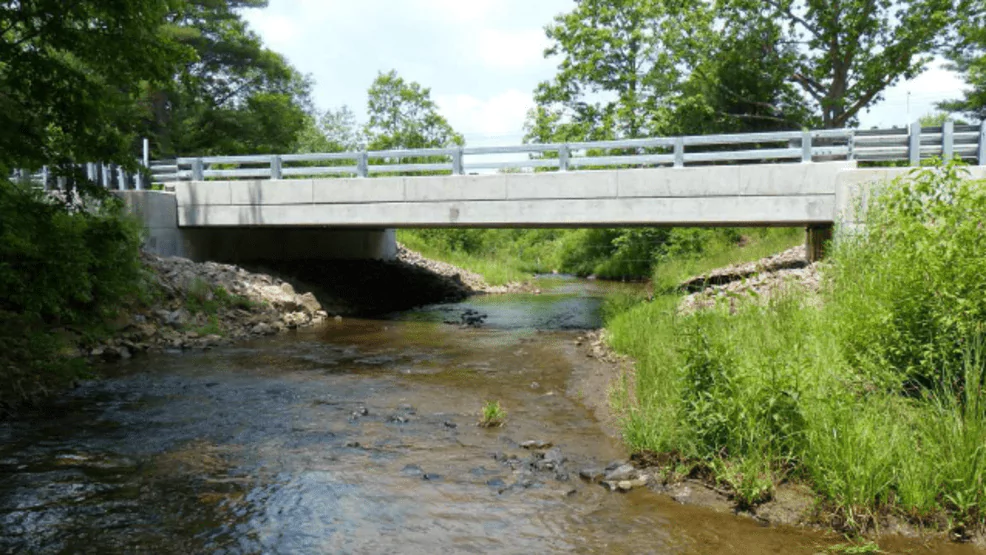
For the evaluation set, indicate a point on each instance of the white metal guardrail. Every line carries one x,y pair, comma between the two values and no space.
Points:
911,145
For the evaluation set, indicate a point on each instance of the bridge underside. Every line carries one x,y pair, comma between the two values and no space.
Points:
752,195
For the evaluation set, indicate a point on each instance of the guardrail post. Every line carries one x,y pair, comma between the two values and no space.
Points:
947,139
564,154
457,167
981,158
679,152
275,167
145,161
198,170
363,165
806,147
914,144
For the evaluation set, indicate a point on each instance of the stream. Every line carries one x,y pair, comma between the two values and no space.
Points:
357,437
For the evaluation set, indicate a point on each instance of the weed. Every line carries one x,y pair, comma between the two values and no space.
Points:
493,415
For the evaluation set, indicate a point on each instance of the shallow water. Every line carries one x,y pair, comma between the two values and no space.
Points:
265,448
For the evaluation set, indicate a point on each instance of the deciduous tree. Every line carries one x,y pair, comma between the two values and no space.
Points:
403,115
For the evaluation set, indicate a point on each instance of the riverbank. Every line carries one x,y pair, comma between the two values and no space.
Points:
790,501
196,305
183,305
861,380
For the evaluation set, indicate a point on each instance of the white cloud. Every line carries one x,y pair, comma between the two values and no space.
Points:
511,49
499,116
459,11
926,90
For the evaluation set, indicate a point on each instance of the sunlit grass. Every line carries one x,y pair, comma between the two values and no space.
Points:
493,415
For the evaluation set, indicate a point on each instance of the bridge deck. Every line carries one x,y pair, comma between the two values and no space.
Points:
756,195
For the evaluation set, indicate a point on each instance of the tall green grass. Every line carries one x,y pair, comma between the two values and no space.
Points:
874,396
505,255
718,251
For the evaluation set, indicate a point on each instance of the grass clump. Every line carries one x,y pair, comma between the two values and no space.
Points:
204,298
874,396
493,415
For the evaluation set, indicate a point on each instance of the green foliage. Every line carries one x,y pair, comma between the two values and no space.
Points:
611,46
873,396
60,266
234,96
64,265
631,68
968,56
334,131
493,415
68,89
924,260
634,253
853,50
403,115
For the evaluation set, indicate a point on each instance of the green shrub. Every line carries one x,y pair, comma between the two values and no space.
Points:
911,290
61,265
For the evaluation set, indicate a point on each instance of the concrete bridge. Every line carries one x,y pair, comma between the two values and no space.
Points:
284,206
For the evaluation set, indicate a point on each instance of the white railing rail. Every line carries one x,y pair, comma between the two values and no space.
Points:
912,145
110,176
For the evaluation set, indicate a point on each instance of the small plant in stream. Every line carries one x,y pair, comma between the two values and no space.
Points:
493,415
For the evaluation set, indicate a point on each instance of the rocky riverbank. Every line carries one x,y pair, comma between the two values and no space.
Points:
761,280
473,282
202,305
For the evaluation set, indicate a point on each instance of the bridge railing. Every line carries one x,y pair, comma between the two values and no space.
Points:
911,145
109,176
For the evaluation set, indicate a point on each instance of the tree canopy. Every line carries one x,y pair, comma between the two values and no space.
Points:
69,72
629,68
968,56
403,115
234,96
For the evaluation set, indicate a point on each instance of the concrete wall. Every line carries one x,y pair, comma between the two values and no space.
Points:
768,194
159,212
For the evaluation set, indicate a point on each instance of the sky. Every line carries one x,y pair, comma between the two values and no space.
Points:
482,59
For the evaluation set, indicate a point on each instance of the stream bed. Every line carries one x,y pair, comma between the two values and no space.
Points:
357,437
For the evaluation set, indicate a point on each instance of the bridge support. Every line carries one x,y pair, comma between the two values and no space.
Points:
158,211
817,238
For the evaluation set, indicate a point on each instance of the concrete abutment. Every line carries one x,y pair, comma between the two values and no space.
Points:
158,210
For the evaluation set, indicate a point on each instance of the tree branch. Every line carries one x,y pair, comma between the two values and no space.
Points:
799,20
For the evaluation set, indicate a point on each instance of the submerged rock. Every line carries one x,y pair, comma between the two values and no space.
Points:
536,444
620,473
412,470
592,474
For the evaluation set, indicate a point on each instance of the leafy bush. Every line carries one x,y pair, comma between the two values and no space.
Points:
61,265
912,290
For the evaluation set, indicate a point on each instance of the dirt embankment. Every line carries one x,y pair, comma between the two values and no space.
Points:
201,305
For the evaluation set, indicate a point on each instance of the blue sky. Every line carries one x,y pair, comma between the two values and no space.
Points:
481,58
